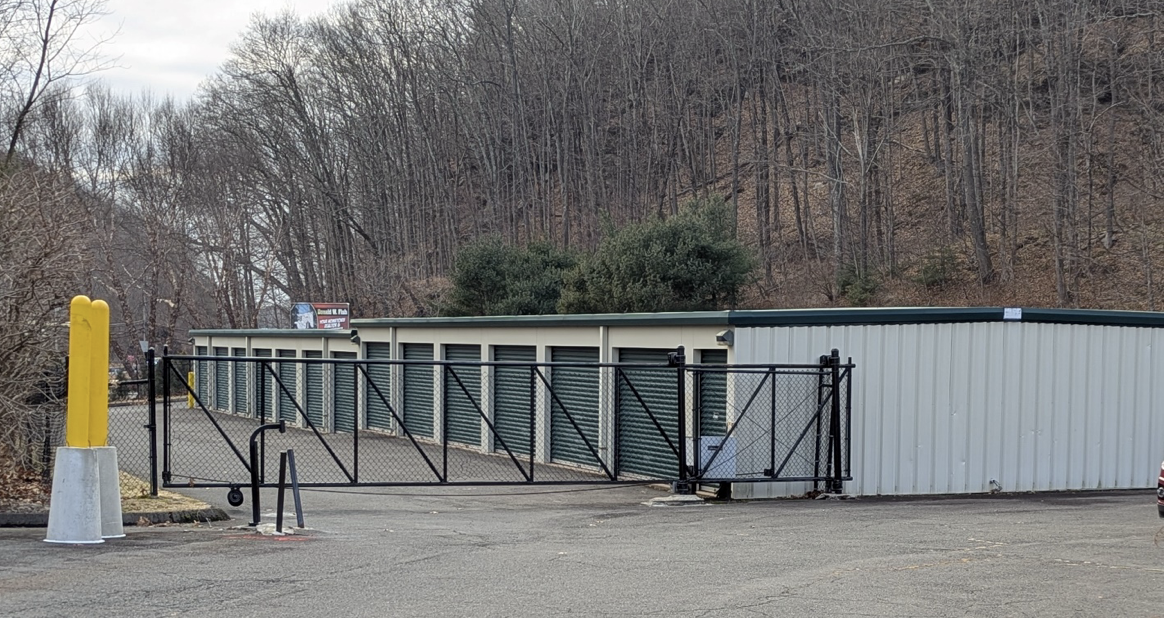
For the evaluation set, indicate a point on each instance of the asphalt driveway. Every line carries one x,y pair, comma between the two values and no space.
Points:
602,552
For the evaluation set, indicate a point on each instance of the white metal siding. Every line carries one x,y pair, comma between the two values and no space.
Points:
945,408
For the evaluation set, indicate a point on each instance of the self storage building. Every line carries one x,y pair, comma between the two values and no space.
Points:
942,400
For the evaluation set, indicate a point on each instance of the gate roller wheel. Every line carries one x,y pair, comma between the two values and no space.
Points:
234,497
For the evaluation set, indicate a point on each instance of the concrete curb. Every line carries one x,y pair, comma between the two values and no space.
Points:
41,520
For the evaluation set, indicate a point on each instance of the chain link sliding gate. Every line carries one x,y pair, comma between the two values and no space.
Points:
363,422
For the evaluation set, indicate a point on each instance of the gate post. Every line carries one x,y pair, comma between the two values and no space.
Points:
681,486
166,369
256,464
835,422
152,427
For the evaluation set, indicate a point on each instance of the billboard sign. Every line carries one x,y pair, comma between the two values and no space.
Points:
320,315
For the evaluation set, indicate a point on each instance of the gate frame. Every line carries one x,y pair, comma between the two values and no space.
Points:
688,477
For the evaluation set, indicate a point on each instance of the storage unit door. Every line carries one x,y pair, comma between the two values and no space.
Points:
314,389
463,422
512,402
418,390
222,381
379,416
343,394
642,449
264,403
577,390
200,376
711,394
240,371
287,376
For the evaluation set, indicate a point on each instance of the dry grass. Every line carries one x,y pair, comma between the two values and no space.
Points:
136,498
22,492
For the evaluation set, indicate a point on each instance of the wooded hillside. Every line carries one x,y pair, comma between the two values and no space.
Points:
917,152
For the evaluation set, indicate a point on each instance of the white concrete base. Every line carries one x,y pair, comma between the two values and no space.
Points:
110,489
677,500
75,509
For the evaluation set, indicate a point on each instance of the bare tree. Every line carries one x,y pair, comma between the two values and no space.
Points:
42,44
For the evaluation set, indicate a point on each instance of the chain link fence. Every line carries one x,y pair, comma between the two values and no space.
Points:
398,422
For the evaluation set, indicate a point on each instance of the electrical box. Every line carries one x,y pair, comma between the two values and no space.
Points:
717,456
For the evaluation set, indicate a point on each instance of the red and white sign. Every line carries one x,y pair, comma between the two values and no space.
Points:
320,315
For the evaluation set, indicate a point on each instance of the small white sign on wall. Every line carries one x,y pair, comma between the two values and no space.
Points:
1012,313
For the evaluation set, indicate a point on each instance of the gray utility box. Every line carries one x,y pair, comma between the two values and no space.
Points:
717,456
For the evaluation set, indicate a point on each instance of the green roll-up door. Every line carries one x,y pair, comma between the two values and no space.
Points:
264,400
577,389
379,416
642,449
463,422
343,394
287,376
711,391
222,381
512,409
417,393
240,371
314,389
201,378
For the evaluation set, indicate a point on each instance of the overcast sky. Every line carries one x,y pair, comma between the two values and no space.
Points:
170,46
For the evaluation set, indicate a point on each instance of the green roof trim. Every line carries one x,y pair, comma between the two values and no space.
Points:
941,315
753,318
692,318
789,317
272,332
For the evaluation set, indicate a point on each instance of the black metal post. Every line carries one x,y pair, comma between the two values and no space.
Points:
697,470
152,427
682,486
279,492
255,462
772,422
255,480
295,482
849,415
823,360
532,422
682,414
356,422
166,369
444,425
836,422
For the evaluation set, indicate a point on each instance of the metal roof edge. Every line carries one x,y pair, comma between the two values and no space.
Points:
846,316
939,315
681,318
1095,317
272,332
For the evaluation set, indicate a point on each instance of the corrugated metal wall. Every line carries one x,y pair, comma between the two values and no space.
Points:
946,408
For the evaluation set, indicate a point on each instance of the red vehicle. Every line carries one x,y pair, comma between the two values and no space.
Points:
1161,478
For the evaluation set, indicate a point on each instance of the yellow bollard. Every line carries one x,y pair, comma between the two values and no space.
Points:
99,378
80,359
190,390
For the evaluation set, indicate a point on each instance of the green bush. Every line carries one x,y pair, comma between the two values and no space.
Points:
690,262
857,287
938,269
492,278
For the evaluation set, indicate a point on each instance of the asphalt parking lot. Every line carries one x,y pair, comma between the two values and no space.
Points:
602,552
